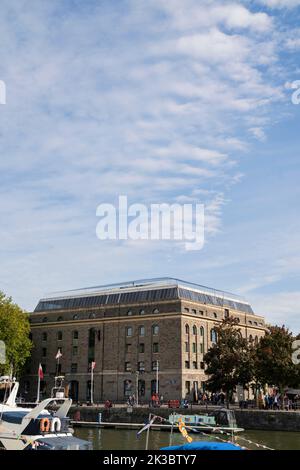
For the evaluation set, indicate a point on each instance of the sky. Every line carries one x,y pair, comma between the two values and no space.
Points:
163,101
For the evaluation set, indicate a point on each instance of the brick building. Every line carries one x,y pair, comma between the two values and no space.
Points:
141,335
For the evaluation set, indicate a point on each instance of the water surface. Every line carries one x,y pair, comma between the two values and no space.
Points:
124,439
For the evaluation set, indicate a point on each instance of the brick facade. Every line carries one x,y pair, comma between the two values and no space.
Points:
122,339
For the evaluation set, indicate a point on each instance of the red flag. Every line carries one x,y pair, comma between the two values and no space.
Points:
41,373
93,365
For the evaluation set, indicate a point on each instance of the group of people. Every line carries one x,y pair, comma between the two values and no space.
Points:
276,401
212,398
156,400
131,400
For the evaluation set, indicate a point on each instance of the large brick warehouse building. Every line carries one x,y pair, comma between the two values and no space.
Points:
141,335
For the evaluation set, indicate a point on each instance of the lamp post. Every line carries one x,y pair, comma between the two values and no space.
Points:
157,370
137,387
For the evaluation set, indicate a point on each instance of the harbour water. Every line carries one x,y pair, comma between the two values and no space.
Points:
123,439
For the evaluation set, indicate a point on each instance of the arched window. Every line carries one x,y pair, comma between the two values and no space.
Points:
141,331
129,313
45,319
129,331
75,317
44,336
256,340
155,310
60,319
215,315
250,338
187,329
194,330
155,329
142,311
213,336
92,315
202,331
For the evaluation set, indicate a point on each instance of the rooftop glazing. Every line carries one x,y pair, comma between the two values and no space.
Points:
142,290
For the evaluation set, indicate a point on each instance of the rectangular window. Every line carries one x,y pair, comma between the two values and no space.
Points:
73,368
128,348
141,348
226,313
187,387
127,366
141,366
187,364
194,348
201,348
202,365
155,347
195,365
75,350
44,368
187,347
154,365
44,352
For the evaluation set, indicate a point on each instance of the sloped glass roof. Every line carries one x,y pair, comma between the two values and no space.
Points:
139,291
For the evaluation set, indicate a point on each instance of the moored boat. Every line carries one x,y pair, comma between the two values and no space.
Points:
36,428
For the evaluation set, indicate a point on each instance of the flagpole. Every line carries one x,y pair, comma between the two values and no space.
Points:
92,383
38,387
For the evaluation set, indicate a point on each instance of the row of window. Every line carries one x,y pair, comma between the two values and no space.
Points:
142,312
141,330
129,332
195,349
213,333
92,315
141,348
187,365
141,366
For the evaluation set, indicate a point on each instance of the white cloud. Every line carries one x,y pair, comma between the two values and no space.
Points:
280,3
279,308
155,108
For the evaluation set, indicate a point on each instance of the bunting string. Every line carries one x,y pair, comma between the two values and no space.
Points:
160,419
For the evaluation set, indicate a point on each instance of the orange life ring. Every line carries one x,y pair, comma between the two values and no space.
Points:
44,425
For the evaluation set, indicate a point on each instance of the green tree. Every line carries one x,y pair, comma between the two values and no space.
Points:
14,332
229,361
273,359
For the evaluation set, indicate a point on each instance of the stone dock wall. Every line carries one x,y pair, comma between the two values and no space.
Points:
248,419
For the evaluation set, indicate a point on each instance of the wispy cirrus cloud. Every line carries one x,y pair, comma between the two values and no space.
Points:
158,100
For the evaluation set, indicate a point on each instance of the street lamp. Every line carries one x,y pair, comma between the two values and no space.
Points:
157,370
137,375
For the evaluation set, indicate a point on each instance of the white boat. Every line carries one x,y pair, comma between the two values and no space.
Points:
219,421
36,428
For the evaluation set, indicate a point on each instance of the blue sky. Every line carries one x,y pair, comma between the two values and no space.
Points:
163,101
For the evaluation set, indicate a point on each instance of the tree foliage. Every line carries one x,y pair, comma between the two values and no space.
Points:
229,361
234,360
14,332
273,359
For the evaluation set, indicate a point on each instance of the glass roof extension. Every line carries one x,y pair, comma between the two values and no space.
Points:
139,291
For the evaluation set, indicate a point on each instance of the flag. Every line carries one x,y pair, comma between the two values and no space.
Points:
58,355
41,373
93,365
